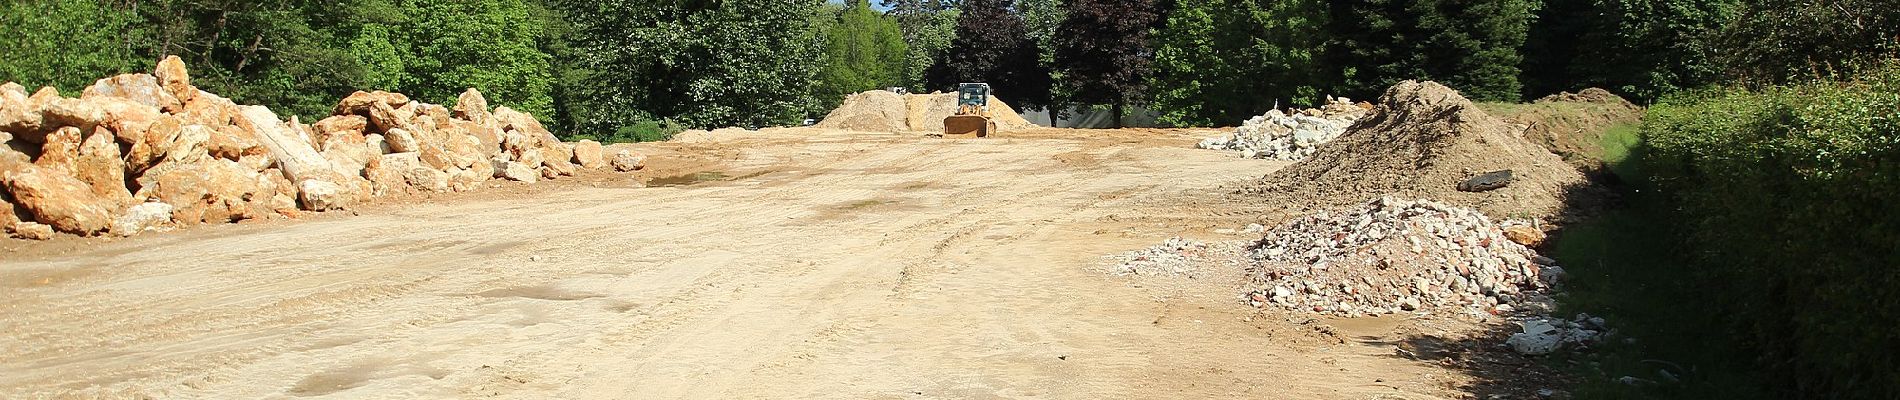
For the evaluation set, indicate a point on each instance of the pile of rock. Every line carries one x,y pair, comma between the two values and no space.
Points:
1279,136
140,151
1542,335
1175,257
1390,255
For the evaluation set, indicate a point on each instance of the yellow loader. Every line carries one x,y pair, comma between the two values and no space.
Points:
973,112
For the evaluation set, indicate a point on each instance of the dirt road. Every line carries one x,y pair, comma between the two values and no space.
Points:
833,266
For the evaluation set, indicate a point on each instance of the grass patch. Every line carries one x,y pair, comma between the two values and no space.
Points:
1627,267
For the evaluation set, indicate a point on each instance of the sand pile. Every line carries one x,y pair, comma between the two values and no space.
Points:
873,111
1391,255
1421,141
883,111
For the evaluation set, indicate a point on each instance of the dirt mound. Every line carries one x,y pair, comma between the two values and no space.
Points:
1390,255
873,111
882,111
927,112
1573,125
1421,141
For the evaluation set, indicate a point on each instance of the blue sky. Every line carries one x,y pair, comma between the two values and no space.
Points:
874,5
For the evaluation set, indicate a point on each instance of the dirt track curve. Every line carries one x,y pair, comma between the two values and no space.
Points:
836,266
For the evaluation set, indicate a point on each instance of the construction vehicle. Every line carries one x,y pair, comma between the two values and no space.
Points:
973,112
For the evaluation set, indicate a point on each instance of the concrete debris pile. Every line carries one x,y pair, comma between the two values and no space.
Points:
1421,141
136,152
883,111
1542,335
1174,257
1278,136
1388,256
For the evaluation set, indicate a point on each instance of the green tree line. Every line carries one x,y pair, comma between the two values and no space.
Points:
602,67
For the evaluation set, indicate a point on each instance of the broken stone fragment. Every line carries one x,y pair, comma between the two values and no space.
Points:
31,231
589,155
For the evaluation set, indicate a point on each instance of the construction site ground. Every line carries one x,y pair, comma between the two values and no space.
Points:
796,263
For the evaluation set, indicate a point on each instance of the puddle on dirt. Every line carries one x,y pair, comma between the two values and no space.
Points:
698,178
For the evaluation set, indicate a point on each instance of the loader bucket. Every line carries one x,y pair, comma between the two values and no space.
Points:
968,125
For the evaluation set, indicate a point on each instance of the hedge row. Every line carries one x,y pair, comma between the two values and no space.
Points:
1790,200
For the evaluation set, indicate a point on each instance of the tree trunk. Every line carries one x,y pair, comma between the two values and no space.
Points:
1117,111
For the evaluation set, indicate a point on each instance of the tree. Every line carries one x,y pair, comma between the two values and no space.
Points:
928,27
1470,45
1223,61
490,45
65,43
1103,51
702,63
1647,48
993,46
863,51
1772,42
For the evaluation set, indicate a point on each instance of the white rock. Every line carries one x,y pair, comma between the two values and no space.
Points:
142,217
320,195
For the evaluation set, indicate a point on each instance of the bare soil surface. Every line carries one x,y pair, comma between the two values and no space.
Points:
787,264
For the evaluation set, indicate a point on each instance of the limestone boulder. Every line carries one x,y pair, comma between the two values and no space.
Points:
589,154
426,179
77,113
472,106
555,160
60,200
525,123
233,143
18,113
323,195
519,172
340,123
100,166
359,103
60,152
141,218
385,118
626,161
141,88
31,231
173,76
207,191
402,141
385,173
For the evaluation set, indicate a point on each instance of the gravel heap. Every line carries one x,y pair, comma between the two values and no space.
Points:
1390,255
1276,135
1175,257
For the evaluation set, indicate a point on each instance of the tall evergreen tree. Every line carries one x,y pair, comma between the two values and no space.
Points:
1104,53
1471,45
993,46
863,51
1221,61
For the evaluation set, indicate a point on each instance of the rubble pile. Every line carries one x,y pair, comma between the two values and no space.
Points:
1543,335
1278,136
143,151
1390,255
1175,257
1421,141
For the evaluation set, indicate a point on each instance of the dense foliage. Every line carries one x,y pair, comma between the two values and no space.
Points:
1104,52
1787,196
1471,45
928,27
993,46
864,51
1218,62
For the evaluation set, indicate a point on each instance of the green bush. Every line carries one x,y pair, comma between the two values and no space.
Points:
644,130
1791,201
